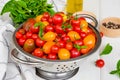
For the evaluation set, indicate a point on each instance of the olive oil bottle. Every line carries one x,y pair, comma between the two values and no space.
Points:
74,6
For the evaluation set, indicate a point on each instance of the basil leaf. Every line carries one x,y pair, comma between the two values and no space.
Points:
21,10
118,65
106,50
114,72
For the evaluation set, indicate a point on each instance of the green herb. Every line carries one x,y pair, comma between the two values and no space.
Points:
41,25
106,50
79,47
117,71
21,10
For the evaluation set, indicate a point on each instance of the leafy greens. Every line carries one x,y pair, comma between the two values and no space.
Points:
21,10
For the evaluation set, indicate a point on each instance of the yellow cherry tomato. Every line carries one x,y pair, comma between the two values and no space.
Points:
49,36
73,35
83,24
38,18
47,47
63,54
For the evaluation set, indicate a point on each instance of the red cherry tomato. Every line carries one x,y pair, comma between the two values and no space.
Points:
38,52
77,29
101,34
57,19
34,29
50,20
79,42
22,31
21,41
28,34
49,28
66,38
100,63
75,53
30,22
44,19
83,34
58,29
39,42
61,44
52,56
69,29
81,18
58,38
46,15
69,45
18,35
54,49
34,36
75,22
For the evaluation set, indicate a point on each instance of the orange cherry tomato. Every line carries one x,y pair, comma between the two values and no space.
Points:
89,40
47,47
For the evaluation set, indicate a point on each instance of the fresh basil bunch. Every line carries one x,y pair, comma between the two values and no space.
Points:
21,10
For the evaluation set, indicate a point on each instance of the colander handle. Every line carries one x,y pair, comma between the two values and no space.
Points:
15,58
93,19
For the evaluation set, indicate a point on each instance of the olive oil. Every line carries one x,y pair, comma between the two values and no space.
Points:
74,6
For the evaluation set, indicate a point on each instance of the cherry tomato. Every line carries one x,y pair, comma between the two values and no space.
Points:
28,34
75,53
43,19
79,42
85,50
77,29
18,35
101,34
54,49
75,22
69,45
83,34
100,63
58,29
50,20
52,56
61,44
81,18
69,29
89,31
58,38
49,28
66,38
30,22
63,54
22,31
38,52
57,19
46,15
34,36
34,29
39,42
21,41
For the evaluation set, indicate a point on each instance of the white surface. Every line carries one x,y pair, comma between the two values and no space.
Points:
87,71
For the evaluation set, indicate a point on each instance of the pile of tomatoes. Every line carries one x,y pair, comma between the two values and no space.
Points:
56,37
